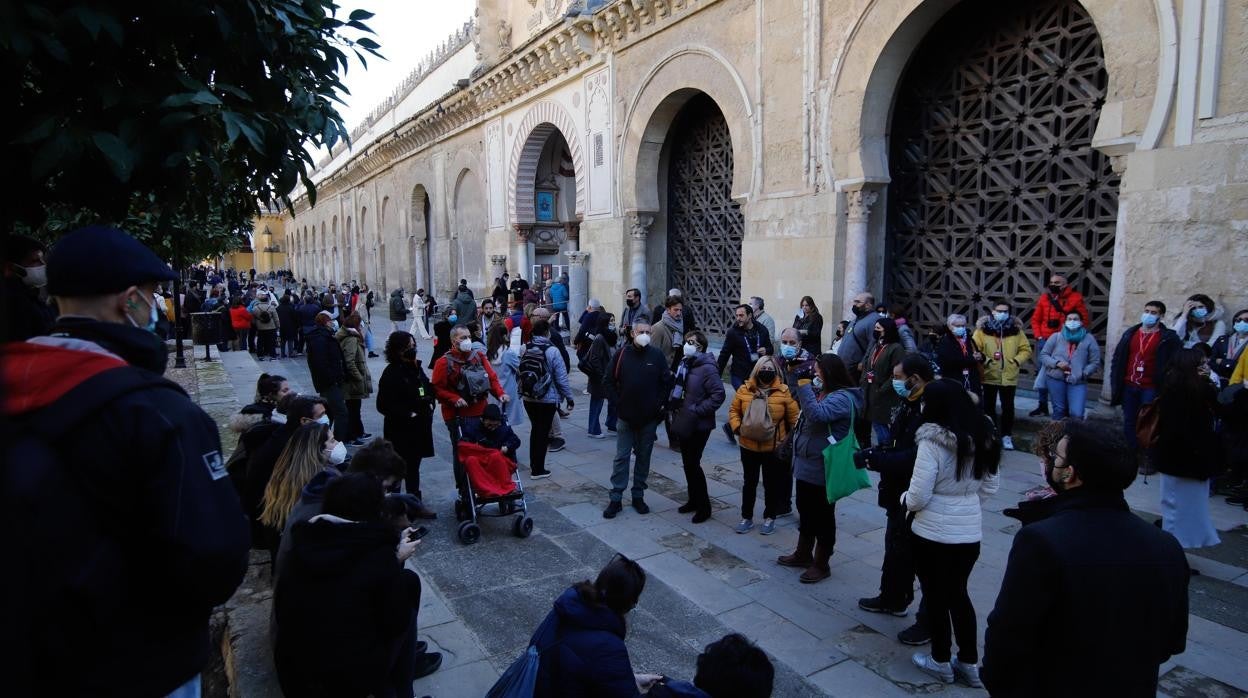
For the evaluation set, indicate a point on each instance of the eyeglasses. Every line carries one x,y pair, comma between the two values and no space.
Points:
1052,457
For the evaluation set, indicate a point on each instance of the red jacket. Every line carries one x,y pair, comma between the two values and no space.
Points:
445,378
240,319
1048,318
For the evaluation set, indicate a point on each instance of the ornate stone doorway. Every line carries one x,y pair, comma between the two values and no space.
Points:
704,224
995,183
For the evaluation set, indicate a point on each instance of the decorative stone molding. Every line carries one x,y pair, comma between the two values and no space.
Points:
859,203
539,123
577,258
498,260
639,225
572,231
523,232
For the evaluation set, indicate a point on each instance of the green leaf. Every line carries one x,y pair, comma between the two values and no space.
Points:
120,156
368,43
205,97
358,15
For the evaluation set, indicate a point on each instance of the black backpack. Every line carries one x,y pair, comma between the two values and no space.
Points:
264,317
396,305
534,375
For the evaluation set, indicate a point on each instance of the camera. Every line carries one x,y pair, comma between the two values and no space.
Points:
862,458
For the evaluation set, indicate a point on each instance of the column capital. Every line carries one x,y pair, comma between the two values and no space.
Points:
859,203
639,224
523,232
572,230
577,258
498,260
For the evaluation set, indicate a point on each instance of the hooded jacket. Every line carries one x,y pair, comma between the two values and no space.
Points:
1190,333
1048,316
558,370
582,652
325,359
398,316
116,559
948,510
1009,342
780,405
311,499
359,381
704,389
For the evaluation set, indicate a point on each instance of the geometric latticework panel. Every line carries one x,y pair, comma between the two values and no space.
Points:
704,225
995,184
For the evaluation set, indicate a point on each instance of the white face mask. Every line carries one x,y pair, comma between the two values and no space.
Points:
690,350
338,454
642,340
465,345
35,277
277,418
323,419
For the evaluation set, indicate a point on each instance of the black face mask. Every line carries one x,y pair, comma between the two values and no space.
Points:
766,377
1055,289
878,335
632,303
861,311
409,354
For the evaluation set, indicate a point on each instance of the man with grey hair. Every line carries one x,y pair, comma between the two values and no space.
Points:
858,336
639,382
762,318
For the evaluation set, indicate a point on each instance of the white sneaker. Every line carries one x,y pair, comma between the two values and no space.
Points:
1007,443
967,673
597,436
941,670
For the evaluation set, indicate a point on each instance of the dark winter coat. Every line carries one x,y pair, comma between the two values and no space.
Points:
307,315
325,359
704,389
877,382
260,466
812,339
25,314
112,573
287,319
639,382
583,652
601,352
474,432
1222,364
1187,443
343,605
1090,561
1166,350
953,362
311,499
739,344
405,398
359,380
895,461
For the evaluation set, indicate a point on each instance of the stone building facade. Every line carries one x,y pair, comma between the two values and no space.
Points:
266,249
941,153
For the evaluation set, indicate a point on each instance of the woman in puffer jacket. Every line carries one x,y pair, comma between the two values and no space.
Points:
701,393
759,456
954,470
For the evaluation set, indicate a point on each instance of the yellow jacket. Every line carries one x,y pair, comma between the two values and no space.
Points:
1013,346
1241,370
780,404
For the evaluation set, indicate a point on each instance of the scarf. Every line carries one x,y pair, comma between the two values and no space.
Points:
676,326
999,327
1076,336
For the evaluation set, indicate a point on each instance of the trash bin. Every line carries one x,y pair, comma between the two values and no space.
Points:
205,328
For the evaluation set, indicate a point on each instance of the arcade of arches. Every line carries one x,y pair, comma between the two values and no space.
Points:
942,154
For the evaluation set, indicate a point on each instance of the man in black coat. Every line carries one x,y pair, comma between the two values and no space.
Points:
123,530
894,462
745,342
639,382
26,314
1140,362
1091,582
329,371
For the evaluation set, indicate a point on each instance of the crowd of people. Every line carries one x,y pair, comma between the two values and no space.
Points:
339,511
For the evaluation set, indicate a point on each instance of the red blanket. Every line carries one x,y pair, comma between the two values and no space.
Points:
488,470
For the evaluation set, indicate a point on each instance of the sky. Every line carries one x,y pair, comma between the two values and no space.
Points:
407,31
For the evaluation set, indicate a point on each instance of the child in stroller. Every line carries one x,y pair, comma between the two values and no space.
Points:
492,431
486,452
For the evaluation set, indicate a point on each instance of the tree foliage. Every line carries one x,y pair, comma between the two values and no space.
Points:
191,113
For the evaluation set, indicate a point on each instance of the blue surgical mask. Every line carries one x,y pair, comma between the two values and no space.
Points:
1241,327
1148,319
1074,324
817,383
788,352
1000,317
452,318
1200,313
323,419
959,331
899,386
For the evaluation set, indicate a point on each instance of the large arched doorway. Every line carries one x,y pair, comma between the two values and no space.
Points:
995,184
547,201
420,239
704,224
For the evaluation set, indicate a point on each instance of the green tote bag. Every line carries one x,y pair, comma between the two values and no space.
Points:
839,474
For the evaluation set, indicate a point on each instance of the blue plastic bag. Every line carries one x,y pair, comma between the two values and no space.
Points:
519,679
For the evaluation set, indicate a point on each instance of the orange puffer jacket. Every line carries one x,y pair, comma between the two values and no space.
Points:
780,404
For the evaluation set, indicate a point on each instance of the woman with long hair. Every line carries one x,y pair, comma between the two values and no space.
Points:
309,451
701,393
597,361
1189,451
955,469
581,641
876,369
829,402
809,324
405,399
506,364
758,449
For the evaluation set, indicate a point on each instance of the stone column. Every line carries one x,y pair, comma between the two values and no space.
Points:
498,265
524,256
858,205
418,274
640,223
578,285
1117,282
572,231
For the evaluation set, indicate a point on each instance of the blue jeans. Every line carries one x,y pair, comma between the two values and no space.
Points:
1068,400
632,439
736,382
1133,399
883,434
595,411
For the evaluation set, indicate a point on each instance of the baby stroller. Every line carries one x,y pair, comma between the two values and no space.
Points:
485,477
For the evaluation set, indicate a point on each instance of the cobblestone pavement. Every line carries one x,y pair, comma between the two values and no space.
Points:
483,601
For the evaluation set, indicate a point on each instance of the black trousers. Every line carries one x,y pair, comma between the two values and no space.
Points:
897,573
944,569
267,343
775,484
541,415
355,423
412,479
1006,423
695,480
816,516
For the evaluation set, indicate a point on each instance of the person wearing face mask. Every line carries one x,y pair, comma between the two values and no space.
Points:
1005,348
1189,450
463,380
838,337
1228,349
240,321
639,381
744,344
1140,361
327,364
1047,319
26,313
1199,322
857,340
667,335
506,364
877,371
594,366
91,421
1069,359
517,287
759,433
405,399
697,394
304,409
1084,557
310,450
633,311
796,360
809,324
357,383
958,356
